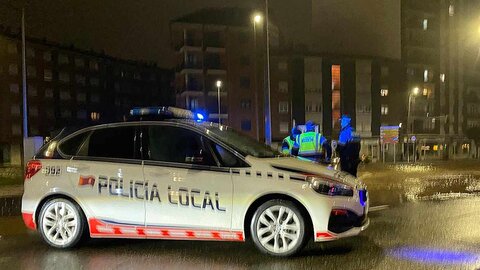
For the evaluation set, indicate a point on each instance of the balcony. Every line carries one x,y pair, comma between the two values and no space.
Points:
215,68
190,67
189,45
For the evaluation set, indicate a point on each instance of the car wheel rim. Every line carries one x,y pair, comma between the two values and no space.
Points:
278,229
60,223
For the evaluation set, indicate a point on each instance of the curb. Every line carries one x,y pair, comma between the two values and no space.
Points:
10,206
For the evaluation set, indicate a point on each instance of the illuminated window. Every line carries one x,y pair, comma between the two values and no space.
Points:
383,92
425,24
336,85
451,10
336,77
94,116
384,109
425,75
442,77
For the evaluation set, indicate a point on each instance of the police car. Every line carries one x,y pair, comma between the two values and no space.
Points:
185,179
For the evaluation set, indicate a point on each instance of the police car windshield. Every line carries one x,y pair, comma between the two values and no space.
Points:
242,143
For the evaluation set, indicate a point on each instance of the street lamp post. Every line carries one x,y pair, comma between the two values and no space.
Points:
219,85
256,19
268,115
414,92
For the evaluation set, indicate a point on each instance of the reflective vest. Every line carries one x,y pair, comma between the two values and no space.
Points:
310,143
289,142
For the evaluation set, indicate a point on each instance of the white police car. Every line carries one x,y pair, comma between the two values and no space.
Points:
185,180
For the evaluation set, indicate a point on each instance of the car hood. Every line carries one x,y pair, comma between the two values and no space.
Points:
302,167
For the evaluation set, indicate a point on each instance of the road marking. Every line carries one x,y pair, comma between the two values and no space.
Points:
378,208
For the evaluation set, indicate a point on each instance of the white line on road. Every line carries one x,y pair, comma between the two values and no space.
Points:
378,208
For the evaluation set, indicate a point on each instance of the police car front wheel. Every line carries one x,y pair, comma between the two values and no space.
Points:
61,223
278,228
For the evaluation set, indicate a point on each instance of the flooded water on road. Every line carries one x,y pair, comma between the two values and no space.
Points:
396,184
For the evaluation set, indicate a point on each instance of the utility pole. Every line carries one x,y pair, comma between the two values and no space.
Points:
24,80
268,115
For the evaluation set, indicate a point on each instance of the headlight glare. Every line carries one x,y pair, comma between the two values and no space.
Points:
329,187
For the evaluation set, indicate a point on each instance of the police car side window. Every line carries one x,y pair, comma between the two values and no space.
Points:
228,159
70,146
115,142
178,145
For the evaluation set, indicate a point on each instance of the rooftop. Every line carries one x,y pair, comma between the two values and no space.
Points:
218,16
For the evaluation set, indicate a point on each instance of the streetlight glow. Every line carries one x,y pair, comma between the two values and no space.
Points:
257,18
218,83
416,90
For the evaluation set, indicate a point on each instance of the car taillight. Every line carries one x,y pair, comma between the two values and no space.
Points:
33,166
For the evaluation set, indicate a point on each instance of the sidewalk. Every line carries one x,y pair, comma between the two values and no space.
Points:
10,200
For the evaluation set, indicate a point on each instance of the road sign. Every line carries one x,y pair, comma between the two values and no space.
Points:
389,134
413,139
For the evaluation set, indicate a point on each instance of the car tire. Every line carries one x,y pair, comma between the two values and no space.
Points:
61,223
278,228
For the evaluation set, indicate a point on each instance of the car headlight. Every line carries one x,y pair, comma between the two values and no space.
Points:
329,187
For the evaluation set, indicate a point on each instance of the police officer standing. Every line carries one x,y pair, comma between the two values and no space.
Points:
348,146
311,144
289,144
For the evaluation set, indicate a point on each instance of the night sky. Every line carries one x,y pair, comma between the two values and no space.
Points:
136,29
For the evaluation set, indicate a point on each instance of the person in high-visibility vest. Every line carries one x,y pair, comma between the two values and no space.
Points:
289,144
312,144
348,146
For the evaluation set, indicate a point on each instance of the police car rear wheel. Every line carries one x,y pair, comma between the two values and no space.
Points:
278,228
61,223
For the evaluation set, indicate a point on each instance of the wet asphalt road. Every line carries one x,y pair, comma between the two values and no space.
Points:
432,222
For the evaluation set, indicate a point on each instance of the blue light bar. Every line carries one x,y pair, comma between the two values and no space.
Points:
170,112
149,111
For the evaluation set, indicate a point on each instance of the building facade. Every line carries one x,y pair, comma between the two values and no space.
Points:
222,45
69,87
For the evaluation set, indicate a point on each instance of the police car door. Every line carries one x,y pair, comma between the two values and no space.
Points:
107,173
187,188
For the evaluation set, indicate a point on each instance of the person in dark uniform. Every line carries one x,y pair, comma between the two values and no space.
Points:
348,146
